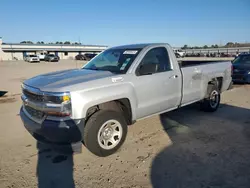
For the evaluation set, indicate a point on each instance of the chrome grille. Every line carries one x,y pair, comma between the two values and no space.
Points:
34,113
32,96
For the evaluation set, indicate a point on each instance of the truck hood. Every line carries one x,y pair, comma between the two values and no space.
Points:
56,81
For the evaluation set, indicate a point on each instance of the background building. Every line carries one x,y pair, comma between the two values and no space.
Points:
16,51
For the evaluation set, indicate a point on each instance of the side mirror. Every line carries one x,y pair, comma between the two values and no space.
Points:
147,69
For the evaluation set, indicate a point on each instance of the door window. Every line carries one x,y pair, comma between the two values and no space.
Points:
157,56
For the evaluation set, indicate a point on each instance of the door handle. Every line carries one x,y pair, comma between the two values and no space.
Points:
197,72
174,76
197,76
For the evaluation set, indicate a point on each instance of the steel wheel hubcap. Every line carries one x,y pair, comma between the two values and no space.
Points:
214,98
109,135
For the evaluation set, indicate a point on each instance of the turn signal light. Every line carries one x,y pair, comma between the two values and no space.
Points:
65,98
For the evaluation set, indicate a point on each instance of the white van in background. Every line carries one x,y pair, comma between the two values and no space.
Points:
42,55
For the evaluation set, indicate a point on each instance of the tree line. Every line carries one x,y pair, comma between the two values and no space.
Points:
227,45
58,42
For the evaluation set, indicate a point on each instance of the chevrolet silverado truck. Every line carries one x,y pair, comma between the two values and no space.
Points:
95,104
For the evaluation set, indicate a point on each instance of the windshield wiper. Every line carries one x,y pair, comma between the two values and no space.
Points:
114,72
91,68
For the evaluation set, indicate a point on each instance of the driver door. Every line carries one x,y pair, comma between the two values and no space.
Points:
160,90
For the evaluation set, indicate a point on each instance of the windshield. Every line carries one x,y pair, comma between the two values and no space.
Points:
242,59
113,60
33,56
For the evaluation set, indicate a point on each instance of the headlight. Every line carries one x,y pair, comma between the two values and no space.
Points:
59,103
57,98
66,98
51,103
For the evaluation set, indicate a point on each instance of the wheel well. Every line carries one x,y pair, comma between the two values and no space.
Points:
120,105
218,81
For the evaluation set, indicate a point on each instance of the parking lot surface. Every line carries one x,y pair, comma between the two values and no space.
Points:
182,148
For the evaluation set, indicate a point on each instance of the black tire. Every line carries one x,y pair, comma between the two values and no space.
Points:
210,103
93,126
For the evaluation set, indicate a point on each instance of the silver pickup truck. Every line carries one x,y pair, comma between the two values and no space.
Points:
123,84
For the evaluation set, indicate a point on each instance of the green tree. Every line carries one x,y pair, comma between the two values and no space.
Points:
229,44
205,46
66,42
185,47
237,44
216,46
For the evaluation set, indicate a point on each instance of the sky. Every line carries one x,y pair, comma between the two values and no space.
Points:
115,22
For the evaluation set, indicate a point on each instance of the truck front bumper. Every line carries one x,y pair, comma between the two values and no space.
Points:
55,132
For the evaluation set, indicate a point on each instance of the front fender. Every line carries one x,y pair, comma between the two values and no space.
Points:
82,101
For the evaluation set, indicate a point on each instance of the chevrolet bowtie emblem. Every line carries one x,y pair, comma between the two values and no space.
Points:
25,102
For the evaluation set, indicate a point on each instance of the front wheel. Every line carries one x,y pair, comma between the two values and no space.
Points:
212,102
105,132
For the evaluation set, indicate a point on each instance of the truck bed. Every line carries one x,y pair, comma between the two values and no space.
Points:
196,75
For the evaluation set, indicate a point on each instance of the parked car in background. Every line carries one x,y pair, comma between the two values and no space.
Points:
179,53
42,56
51,58
25,57
89,56
241,69
225,55
80,57
86,56
189,55
32,58
123,84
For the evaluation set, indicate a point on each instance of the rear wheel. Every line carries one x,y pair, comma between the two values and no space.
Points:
212,102
105,132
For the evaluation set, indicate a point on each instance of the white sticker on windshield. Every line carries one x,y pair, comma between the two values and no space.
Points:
123,67
132,52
